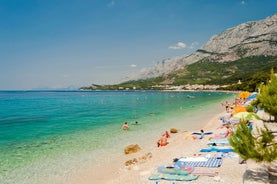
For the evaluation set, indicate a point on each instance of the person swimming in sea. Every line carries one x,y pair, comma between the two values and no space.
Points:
125,126
135,123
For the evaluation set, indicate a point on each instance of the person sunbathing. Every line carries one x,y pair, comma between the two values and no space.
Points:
228,131
201,136
162,141
166,134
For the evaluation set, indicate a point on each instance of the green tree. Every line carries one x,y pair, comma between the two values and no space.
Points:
268,96
261,148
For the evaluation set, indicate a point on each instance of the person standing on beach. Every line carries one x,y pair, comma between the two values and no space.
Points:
227,106
125,126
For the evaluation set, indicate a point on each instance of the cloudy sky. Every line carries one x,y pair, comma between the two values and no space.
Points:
61,43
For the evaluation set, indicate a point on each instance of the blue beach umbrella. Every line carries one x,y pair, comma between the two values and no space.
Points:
252,96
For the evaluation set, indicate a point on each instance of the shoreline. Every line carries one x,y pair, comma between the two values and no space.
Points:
108,161
179,146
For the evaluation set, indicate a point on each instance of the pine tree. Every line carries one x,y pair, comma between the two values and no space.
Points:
261,148
268,96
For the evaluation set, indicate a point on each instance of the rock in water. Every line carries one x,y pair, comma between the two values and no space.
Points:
133,148
173,130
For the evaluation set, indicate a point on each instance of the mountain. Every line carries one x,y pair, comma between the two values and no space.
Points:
240,58
250,39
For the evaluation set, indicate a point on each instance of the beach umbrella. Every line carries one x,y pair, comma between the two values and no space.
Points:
252,96
244,94
238,109
246,116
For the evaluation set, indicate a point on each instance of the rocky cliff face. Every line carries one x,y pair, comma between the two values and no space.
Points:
248,39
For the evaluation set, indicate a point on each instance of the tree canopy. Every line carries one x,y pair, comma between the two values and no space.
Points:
268,96
261,148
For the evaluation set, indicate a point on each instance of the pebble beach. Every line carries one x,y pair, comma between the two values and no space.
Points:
181,145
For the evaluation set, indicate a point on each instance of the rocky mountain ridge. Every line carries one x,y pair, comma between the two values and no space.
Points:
254,38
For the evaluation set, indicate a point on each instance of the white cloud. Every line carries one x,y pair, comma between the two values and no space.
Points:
133,65
179,45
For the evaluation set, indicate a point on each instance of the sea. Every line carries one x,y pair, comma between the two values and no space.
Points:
46,136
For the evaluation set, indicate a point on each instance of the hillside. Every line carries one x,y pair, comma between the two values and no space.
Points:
256,38
249,71
237,54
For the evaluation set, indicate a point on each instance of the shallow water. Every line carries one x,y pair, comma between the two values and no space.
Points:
53,133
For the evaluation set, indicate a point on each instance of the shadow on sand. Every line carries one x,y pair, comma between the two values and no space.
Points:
255,176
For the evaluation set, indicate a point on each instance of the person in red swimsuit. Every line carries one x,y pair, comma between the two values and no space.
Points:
162,141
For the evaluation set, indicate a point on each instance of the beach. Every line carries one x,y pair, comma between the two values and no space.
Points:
108,163
180,145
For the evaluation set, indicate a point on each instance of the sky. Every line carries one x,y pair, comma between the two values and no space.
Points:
56,44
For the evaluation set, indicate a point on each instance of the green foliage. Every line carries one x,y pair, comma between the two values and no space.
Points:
262,148
268,96
251,71
250,108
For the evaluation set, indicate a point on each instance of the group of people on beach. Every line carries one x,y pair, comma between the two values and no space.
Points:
161,142
228,120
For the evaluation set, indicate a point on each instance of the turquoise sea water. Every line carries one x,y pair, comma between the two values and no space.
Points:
57,129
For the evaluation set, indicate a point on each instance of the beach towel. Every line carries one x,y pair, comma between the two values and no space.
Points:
217,149
219,141
193,159
172,170
173,177
230,155
211,162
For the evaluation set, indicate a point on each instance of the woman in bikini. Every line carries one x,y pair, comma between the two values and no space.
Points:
162,141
